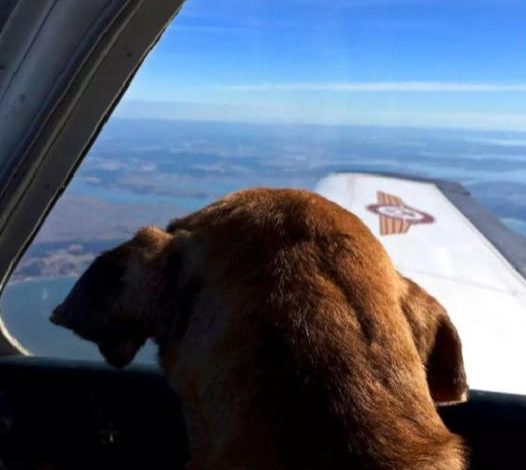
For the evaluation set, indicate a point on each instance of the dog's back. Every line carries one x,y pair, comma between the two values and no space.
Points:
307,360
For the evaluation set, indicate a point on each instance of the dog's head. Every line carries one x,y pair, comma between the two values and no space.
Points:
437,342
112,300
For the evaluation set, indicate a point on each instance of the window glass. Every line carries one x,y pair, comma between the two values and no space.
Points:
282,93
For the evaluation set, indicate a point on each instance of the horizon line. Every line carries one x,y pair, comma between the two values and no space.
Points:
389,86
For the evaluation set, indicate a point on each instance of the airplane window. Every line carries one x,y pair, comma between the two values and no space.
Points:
284,93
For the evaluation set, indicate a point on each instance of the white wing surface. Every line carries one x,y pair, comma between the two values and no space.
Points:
438,236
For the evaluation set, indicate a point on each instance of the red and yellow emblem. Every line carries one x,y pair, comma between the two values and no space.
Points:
396,216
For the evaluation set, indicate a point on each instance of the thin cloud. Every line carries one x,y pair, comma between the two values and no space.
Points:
380,87
292,115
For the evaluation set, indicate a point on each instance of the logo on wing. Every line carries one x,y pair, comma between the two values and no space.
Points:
396,216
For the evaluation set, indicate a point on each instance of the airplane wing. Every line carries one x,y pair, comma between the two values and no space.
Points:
437,235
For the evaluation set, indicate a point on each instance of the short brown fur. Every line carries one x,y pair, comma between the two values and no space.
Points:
290,337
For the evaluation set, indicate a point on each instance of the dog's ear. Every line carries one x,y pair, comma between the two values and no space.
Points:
151,238
438,344
113,302
145,257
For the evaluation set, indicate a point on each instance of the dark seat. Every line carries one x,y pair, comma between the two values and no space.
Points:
76,415
80,415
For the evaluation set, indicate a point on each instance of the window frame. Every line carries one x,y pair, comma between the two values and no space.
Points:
71,110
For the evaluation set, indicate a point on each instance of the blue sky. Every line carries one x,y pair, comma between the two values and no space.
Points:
388,62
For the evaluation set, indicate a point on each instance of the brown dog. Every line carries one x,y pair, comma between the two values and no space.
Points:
290,337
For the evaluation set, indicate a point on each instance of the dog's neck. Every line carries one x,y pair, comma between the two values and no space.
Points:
169,316
179,286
